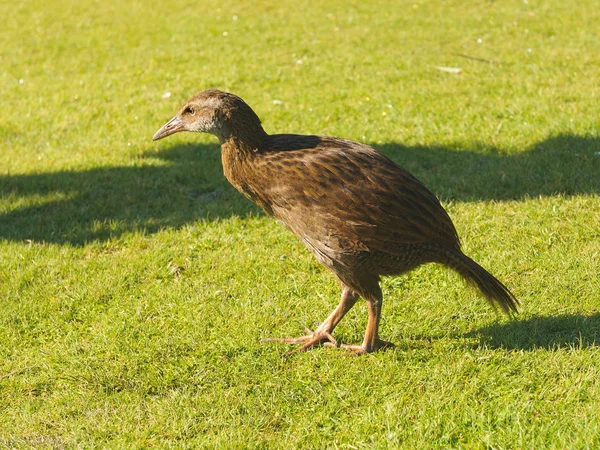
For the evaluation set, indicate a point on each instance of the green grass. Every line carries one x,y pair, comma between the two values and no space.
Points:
135,283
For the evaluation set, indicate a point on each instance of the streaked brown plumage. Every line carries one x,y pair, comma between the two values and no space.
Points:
360,214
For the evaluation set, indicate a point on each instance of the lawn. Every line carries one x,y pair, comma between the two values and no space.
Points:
136,283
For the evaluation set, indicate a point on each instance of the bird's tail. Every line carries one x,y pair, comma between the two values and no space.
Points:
493,290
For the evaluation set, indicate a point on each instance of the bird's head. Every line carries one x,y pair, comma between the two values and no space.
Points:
215,112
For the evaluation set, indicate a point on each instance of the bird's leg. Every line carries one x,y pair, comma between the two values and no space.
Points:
323,332
371,341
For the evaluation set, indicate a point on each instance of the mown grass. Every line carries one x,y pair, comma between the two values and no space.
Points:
135,283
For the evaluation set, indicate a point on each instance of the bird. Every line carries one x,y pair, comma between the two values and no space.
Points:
361,215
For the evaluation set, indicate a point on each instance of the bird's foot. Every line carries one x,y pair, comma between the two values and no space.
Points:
308,341
323,337
364,349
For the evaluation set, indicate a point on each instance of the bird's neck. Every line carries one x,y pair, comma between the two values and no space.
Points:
238,157
242,143
243,132
241,140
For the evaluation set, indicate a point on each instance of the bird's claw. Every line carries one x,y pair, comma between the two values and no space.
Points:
310,340
363,350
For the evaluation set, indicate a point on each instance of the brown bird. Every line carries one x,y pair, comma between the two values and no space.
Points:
360,214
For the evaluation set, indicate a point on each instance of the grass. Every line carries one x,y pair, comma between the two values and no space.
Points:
135,283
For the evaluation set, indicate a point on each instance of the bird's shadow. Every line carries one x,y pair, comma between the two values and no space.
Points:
570,331
76,207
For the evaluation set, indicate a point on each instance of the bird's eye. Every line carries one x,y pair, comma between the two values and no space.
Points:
189,110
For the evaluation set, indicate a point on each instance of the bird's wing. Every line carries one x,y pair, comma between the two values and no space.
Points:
349,192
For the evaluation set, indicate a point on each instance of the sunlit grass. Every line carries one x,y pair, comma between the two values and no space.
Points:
136,283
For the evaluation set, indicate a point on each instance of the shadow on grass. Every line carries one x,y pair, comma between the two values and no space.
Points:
78,207
566,331
563,164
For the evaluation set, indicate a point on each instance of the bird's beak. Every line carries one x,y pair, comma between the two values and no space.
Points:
175,125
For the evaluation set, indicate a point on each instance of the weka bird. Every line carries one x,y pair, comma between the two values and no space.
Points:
361,215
